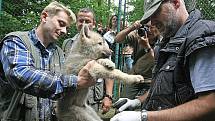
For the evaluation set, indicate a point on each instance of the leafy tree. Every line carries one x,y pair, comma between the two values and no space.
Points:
8,23
19,15
24,14
138,10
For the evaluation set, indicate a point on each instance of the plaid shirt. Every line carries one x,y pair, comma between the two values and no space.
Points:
19,68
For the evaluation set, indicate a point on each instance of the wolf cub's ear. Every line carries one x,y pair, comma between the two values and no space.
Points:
85,31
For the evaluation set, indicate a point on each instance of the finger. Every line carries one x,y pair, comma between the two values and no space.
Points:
123,107
119,103
104,110
120,99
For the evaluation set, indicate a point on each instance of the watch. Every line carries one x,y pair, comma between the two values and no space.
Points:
144,116
108,96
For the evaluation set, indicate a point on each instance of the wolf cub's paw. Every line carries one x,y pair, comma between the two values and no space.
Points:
106,63
135,79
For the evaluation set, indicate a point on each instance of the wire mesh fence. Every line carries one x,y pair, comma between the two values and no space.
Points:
207,7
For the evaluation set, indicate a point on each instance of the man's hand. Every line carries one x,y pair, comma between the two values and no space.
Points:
136,25
127,116
84,78
130,104
143,41
106,104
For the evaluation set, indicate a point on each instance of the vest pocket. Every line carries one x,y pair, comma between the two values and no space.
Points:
31,112
163,90
164,79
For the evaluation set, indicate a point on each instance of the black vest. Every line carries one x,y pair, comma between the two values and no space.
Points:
172,84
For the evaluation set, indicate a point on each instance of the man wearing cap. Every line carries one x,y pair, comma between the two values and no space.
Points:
184,83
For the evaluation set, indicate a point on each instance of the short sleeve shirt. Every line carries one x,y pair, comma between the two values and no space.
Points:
202,68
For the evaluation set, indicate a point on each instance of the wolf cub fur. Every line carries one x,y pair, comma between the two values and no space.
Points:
89,46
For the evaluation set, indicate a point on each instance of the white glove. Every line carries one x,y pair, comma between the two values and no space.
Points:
130,104
127,116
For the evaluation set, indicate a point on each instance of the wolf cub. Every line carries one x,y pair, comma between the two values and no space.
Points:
89,46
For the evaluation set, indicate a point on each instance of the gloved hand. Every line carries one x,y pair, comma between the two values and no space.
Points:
127,116
130,104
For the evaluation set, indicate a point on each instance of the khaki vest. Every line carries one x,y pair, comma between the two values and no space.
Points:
19,99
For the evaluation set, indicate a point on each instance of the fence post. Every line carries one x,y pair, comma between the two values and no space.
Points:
117,83
0,5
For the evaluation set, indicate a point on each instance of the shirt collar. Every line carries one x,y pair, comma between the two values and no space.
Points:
36,41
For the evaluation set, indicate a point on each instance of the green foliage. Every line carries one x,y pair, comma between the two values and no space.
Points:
8,24
138,10
99,7
24,14
19,15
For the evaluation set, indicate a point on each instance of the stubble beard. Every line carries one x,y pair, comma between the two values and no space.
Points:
172,25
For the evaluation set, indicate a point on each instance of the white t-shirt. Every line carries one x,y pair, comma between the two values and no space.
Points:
109,36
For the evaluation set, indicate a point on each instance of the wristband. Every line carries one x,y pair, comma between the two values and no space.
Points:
108,96
144,116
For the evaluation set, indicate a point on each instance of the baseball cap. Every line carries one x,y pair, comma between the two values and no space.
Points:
150,6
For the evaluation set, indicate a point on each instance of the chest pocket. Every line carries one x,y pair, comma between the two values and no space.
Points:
163,72
164,79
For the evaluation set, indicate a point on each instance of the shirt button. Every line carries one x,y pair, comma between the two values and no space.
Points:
168,67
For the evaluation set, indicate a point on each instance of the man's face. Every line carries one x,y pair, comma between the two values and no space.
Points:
153,33
55,25
166,20
86,17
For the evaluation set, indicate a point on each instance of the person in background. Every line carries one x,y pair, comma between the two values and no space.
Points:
109,36
99,91
143,54
184,85
127,53
32,68
100,29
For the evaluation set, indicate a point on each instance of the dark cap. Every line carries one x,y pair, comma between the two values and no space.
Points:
150,6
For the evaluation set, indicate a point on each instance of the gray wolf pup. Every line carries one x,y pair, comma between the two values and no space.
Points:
89,46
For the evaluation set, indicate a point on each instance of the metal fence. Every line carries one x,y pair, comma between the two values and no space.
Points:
207,7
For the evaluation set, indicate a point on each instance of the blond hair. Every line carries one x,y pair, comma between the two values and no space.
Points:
54,7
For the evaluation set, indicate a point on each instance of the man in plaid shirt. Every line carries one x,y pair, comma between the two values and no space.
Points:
33,64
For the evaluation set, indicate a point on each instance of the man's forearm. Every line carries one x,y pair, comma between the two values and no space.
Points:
120,37
201,109
109,86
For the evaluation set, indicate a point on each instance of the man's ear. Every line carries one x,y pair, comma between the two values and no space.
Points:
44,16
176,3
